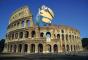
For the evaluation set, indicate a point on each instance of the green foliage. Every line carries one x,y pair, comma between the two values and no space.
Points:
2,41
85,43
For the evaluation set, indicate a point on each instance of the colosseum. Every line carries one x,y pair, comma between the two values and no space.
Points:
24,36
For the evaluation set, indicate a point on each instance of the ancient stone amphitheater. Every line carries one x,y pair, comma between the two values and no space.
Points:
24,36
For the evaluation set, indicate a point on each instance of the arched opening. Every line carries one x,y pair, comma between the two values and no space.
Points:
16,35
74,47
70,37
40,48
73,37
55,47
15,48
13,36
21,35
62,31
25,48
26,34
58,36
63,47
19,47
33,34
10,48
49,47
41,34
32,48
22,23
18,24
48,36
28,23
71,48
67,47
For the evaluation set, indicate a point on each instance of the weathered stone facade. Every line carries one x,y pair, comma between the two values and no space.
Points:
23,36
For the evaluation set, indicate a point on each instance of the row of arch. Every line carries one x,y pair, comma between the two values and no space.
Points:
70,47
24,48
21,48
33,34
18,24
24,34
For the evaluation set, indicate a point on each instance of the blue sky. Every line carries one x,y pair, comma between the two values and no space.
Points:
72,13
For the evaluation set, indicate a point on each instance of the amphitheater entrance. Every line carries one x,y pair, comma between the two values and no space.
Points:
15,48
40,48
55,47
67,47
19,47
49,47
32,48
25,48
10,48
63,48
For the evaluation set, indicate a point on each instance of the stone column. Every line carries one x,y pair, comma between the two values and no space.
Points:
36,48
24,23
65,42
69,42
8,47
70,47
20,24
12,48
52,50
22,50
61,42
17,48
59,47
23,34
44,48
28,50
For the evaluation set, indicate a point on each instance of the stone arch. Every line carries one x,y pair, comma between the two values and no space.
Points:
19,47
15,47
22,23
49,47
16,35
58,36
48,34
12,35
28,23
11,48
17,24
26,34
70,37
21,35
62,31
67,47
55,48
40,48
32,48
41,34
33,34
25,48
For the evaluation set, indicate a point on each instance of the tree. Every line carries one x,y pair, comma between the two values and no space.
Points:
85,43
2,41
